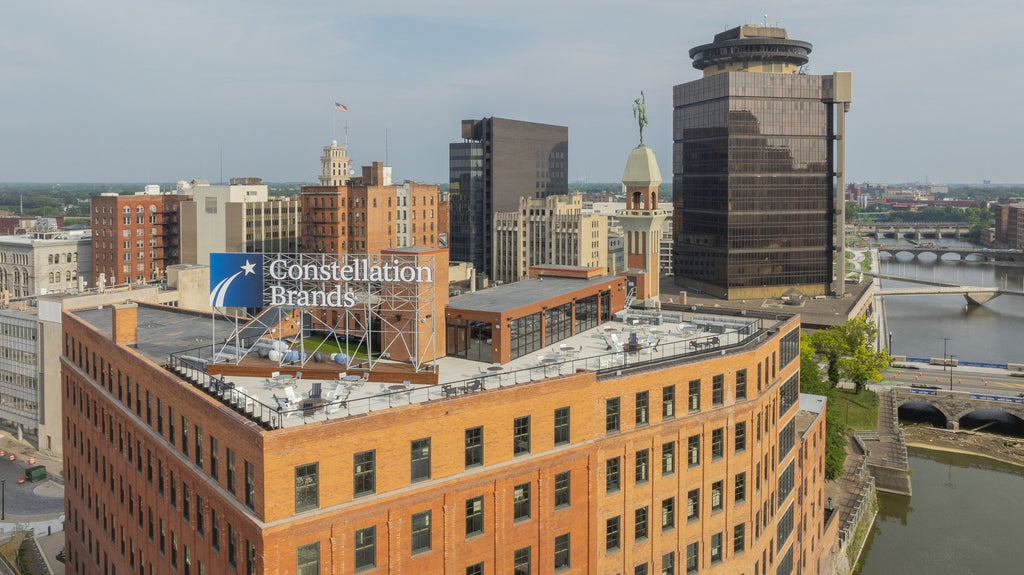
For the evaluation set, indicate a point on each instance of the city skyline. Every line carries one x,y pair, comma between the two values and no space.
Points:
182,91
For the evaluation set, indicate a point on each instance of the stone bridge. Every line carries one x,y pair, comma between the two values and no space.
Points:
941,253
954,405
913,230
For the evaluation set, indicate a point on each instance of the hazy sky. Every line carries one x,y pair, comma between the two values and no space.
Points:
158,90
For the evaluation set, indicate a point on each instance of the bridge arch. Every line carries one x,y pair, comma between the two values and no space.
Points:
918,411
1007,421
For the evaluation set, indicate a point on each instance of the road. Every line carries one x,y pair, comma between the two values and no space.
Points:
975,380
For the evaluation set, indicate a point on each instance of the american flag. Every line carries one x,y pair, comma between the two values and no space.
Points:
340,107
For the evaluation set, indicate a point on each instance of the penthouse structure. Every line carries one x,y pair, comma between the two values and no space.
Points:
669,441
134,237
498,162
758,158
552,230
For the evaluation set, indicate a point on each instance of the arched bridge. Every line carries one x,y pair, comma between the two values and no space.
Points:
913,230
973,294
954,405
943,253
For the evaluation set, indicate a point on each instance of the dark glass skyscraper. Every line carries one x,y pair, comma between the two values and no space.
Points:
498,162
753,168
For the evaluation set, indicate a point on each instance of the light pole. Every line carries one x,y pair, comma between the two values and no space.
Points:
952,359
890,343
3,500
944,341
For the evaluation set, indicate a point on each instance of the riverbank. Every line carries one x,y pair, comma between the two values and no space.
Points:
997,447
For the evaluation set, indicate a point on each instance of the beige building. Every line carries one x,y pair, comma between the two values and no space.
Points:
240,217
334,165
45,260
552,231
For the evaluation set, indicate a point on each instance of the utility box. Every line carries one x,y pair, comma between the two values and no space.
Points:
35,473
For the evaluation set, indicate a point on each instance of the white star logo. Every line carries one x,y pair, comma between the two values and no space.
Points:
249,268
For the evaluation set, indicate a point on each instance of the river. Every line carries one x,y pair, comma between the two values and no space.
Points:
988,333
962,519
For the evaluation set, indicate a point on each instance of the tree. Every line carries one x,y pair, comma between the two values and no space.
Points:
852,211
811,381
849,350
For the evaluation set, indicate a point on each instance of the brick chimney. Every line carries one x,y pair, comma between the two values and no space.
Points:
125,323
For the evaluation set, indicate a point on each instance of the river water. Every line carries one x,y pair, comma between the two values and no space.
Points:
962,519
990,333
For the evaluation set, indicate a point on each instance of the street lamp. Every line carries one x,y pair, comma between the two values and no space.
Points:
952,360
944,341
890,343
3,500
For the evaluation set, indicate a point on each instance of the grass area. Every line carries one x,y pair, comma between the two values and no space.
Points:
856,542
859,411
331,346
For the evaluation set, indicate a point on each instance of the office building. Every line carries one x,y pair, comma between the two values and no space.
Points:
335,165
134,237
689,451
1009,224
370,214
239,217
551,230
43,260
758,156
498,162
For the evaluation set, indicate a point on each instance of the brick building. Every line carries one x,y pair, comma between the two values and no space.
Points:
134,237
697,454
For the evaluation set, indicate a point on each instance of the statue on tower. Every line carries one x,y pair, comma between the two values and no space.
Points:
640,113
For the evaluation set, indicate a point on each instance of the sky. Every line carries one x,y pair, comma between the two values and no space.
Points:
167,90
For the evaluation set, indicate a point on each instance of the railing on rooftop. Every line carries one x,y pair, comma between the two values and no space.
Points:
561,360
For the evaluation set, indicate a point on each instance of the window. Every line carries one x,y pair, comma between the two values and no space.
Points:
717,390
561,426
693,450
668,563
420,460
668,458
741,436
232,544
641,471
562,489
562,551
420,532
307,559
695,395
199,446
474,446
738,538
611,415
476,568
740,490
474,516
521,435
668,401
250,485
521,501
642,400
787,438
668,513
789,394
716,496
521,562
640,523
692,504
611,534
611,474
366,548
364,473
692,556
741,384
640,569
716,547
307,487
230,468
717,439
214,529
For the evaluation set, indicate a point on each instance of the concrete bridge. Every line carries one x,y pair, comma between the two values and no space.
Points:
973,294
954,405
943,253
913,230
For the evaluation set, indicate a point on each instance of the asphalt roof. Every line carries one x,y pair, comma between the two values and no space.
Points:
522,293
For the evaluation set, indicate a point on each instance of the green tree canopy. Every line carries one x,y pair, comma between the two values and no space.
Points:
849,350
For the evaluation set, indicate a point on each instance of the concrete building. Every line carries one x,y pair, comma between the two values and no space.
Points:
134,237
19,374
335,165
551,230
370,214
44,260
239,217
757,159
696,453
497,162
